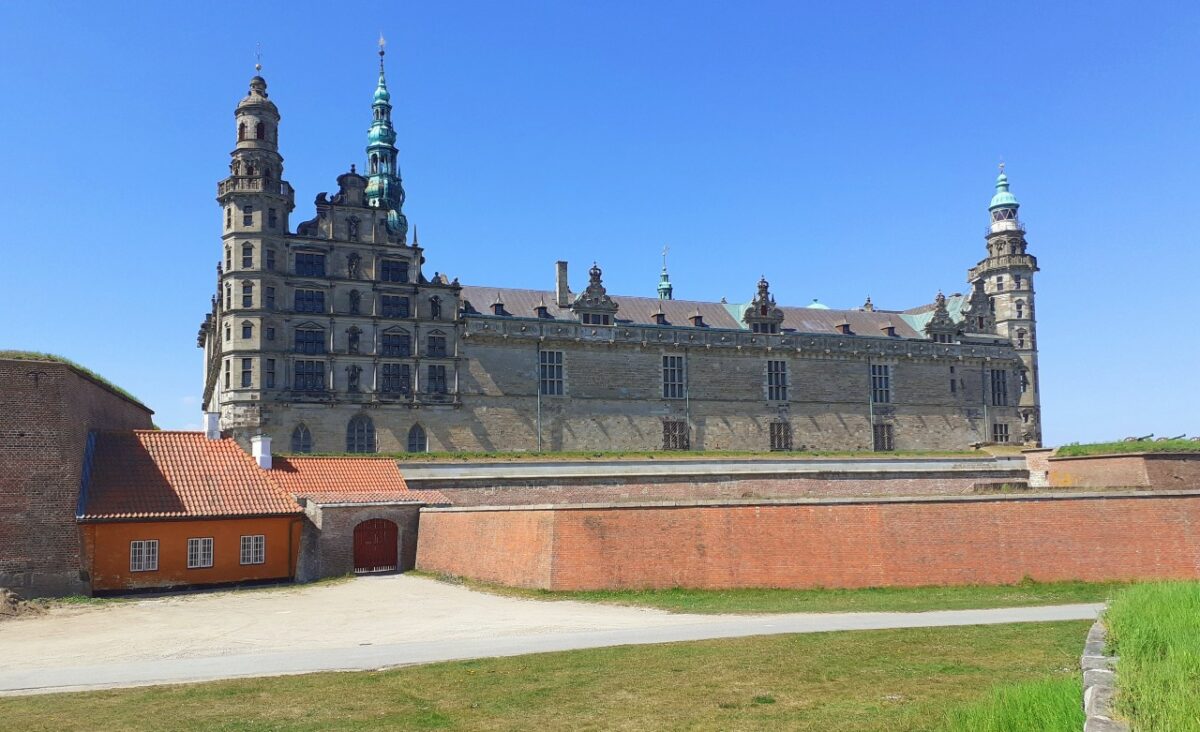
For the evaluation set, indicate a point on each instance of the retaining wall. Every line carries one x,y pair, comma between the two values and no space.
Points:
1156,470
820,543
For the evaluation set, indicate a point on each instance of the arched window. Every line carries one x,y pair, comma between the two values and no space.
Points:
247,329
417,441
260,131
241,131
360,435
435,307
301,439
374,163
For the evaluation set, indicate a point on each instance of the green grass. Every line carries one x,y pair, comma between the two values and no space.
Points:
1110,448
1046,705
1155,629
36,356
900,599
644,455
864,681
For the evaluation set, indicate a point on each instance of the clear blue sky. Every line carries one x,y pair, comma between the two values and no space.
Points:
842,149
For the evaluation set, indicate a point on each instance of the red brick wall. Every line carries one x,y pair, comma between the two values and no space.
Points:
1164,471
44,423
829,544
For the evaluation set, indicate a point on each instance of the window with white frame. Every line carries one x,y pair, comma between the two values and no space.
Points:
673,377
200,553
143,555
777,386
254,549
881,384
550,372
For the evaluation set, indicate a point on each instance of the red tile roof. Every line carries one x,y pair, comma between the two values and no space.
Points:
153,474
348,480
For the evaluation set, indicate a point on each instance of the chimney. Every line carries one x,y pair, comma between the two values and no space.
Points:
212,425
561,286
260,446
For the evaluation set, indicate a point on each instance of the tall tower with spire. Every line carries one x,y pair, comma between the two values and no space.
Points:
384,189
1007,276
665,289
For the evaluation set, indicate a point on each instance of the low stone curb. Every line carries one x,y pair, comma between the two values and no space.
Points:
1099,684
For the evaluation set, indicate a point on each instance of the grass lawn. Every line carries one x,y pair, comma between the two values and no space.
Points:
1155,629
899,599
1110,448
912,679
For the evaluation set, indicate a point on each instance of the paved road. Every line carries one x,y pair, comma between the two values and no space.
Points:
320,642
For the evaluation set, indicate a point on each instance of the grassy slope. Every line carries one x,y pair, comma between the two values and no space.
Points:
1109,448
908,599
1155,629
36,356
863,681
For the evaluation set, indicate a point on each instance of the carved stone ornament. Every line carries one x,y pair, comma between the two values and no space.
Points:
595,298
354,261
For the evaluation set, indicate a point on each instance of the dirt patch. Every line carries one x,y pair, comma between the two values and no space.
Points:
11,605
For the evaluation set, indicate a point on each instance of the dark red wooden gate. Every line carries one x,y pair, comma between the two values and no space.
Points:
375,546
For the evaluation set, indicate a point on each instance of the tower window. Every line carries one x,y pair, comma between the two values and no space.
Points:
228,259
247,372
247,330
241,131
269,374
881,384
309,264
228,216
394,271
393,306
374,157
437,380
228,295
260,131
247,294
1020,308
228,332
436,345
247,215
999,283
397,378
272,219
1021,337
397,344
247,256
1016,282
226,373
310,341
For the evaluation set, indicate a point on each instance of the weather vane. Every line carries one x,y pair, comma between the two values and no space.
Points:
382,43
666,248
258,57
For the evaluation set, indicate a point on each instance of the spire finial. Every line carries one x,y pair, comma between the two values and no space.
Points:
258,57
666,248
1001,165
382,49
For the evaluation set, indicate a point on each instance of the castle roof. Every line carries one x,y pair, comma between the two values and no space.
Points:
348,480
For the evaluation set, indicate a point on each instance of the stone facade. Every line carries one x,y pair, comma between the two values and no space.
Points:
49,408
327,543
333,338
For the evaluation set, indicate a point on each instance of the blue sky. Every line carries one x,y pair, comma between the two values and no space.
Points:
842,149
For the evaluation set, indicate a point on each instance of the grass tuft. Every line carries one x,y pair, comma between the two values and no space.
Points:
1047,705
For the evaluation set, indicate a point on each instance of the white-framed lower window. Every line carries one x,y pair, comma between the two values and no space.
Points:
254,549
143,555
200,553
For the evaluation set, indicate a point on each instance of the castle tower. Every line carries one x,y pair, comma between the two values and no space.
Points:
255,203
1007,277
665,290
384,189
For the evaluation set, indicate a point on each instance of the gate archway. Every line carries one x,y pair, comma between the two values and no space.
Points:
375,546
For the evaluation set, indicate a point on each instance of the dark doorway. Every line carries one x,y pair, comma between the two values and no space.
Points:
375,546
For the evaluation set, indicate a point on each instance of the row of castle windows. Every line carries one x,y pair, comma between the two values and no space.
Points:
312,341
309,376
313,301
247,220
312,264
360,437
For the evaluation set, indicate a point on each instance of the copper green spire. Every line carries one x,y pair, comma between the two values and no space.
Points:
384,189
1003,199
664,282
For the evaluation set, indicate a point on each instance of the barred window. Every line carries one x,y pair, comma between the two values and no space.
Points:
392,270
437,380
673,377
550,372
999,388
436,344
200,553
777,386
254,549
310,301
397,378
360,435
309,376
881,384
675,434
310,341
999,432
397,344
143,555
309,264
885,437
393,306
301,439
781,436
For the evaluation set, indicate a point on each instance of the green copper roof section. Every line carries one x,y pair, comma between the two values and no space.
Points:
1003,199
384,188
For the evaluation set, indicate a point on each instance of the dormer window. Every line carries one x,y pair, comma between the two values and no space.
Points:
596,319
498,306
764,327
541,311
660,318
697,320
889,330
844,328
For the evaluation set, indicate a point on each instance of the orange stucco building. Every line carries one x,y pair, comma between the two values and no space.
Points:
168,509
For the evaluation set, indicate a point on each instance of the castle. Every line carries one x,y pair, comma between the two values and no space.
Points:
333,338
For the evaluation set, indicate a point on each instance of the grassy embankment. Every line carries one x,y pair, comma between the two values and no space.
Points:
37,356
1117,448
945,679
1155,630
821,600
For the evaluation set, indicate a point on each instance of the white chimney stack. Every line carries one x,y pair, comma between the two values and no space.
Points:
212,425
260,446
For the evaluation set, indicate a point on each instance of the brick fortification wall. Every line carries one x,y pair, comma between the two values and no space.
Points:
1159,471
327,541
828,543
48,409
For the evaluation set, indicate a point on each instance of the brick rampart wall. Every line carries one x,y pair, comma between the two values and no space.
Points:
1160,471
48,409
848,543
327,544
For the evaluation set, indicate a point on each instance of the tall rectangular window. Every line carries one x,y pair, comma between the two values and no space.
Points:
247,331
247,215
247,256
269,300
247,372
397,344
271,259
999,432
309,264
435,345
881,384
999,388
392,270
396,379
310,341
675,434
777,386
272,219
310,301
227,372
269,374
781,436
200,553
309,376
885,437
393,306
228,259
550,372
143,555
437,380
254,549
247,294
672,377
